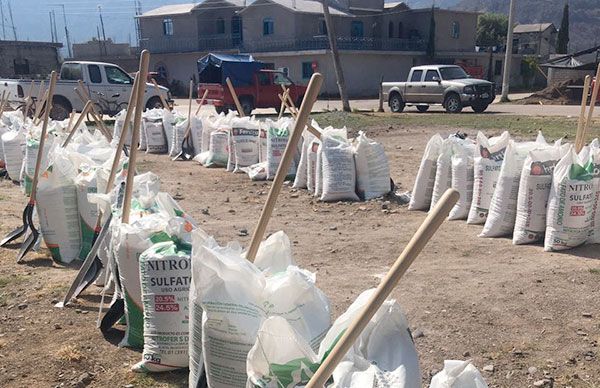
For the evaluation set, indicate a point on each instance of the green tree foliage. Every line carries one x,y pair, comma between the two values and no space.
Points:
562,42
491,29
431,41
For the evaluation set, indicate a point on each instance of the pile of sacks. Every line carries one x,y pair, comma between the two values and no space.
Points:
332,168
67,219
534,191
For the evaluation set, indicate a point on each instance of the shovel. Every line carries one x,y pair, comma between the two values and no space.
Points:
90,269
187,145
31,240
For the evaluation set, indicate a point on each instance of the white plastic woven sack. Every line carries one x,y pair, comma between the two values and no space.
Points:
90,180
462,178
487,163
570,205
503,206
32,146
230,151
384,355
277,137
156,141
319,171
244,136
218,154
56,205
420,198
443,171
262,143
311,165
180,125
458,374
196,133
372,168
257,172
168,120
118,128
165,277
13,145
301,178
534,192
339,170
228,288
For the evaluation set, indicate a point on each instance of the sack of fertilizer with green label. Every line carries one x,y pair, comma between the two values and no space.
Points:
244,143
372,168
594,233
118,128
228,288
503,206
462,177
384,355
32,146
90,180
458,374
218,154
165,277
420,198
56,204
180,124
488,159
570,204
534,192
301,179
278,133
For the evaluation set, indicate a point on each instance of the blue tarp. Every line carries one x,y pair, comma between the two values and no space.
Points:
215,68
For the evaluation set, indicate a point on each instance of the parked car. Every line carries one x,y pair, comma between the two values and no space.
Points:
447,85
255,85
107,84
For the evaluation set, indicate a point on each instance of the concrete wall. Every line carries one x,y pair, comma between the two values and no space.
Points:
185,31
542,44
443,31
207,18
97,48
42,58
561,75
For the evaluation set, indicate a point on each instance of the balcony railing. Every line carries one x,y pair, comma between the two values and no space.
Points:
232,42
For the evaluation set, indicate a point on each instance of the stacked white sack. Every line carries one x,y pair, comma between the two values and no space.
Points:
420,198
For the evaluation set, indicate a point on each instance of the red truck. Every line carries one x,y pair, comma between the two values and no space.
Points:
255,85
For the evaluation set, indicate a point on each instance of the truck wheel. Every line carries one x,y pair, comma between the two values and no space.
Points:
154,103
396,103
479,107
61,108
422,108
247,105
452,103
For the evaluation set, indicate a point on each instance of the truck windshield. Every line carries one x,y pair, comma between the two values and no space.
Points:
453,72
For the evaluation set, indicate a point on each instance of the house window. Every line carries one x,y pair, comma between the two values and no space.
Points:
21,66
400,30
95,75
391,30
498,67
220,26
168,27
455,30
307,70
268,26
322,27
356,29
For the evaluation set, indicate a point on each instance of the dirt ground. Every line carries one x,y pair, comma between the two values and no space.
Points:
522,314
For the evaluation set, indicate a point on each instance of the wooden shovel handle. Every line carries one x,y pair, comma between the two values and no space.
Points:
238,106
84,111
309,127
135,134
162,99
314,86
411,251
40,153
201,102
592,106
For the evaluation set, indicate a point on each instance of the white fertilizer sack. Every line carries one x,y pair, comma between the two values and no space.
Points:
503,206
156,141
570,205
196,133
262,143
90,180
458,374
487,163
179,127
372,168
311,165
13,145
244,136
534,191
319,171
462,178
420,198
443,172
257,172
230,151
218,154
118,128
278,134
339,170
300,180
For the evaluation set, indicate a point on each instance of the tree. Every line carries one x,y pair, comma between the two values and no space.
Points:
562,42
337,64
431,41
491,29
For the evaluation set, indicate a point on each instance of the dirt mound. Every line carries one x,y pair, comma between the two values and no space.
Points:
557,94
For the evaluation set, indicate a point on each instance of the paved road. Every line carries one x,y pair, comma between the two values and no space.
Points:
495,108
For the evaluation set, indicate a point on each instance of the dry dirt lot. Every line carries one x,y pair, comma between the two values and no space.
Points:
523,314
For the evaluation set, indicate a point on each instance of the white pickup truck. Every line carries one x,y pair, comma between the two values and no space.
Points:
447,85
107,84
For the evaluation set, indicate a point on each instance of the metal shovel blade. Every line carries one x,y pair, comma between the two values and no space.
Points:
90,268
31,239
112,316
15,234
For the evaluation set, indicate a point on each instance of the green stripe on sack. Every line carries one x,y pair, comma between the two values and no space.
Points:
87,238
582,173
134,334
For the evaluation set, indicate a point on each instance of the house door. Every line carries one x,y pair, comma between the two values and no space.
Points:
236,31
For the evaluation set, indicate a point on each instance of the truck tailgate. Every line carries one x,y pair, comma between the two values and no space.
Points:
215,96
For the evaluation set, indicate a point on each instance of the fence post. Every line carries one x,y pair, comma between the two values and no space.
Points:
380,95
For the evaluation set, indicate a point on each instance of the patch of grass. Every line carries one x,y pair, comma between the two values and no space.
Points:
145,380
595,271
553,127
70,353
11,280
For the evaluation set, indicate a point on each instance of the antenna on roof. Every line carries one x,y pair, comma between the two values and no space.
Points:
294,4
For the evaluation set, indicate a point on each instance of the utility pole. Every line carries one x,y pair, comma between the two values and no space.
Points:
51,27
508,54
2,16
99,41
54,26
103,32
337,65
67,32
12,21
138,12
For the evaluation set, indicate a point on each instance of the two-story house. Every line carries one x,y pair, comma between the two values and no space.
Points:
535,39
374,38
